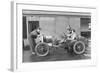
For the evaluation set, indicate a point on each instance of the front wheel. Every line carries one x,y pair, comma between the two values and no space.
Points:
42,49
79,47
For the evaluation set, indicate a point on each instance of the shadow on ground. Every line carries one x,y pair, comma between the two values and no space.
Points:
58,54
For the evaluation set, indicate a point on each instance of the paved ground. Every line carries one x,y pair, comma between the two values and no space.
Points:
55,55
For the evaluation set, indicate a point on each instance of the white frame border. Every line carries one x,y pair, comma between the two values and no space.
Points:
16,51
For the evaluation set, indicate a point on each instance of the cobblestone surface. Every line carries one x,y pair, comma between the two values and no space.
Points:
58,54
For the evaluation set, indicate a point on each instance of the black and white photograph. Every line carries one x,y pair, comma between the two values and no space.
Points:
52,36
55,36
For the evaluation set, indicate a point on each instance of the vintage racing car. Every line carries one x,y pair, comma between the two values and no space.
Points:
73,46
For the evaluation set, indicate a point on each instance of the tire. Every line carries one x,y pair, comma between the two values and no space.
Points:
79,47
42,49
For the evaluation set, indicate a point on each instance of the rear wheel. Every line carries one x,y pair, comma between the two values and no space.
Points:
79,47
42,49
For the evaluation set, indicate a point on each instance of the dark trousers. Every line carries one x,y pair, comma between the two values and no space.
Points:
33,43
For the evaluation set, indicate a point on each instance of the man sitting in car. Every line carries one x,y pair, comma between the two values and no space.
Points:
71,35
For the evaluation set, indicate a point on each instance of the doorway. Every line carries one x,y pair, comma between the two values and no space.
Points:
32,25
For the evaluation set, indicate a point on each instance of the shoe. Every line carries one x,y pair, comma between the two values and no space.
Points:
33,53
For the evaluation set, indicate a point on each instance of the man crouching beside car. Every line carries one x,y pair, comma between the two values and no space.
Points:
32,37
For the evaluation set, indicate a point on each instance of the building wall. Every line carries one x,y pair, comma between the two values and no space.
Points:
61,25
47,25
57,25
75,24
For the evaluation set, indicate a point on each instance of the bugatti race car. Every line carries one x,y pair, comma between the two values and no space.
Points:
45,44
72,43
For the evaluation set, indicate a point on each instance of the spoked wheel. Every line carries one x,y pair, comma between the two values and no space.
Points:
42,49
79,47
